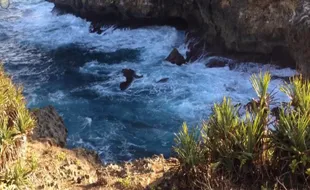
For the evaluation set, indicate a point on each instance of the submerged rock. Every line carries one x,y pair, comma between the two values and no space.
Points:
175,57
163,80
50,126
95,27
130,76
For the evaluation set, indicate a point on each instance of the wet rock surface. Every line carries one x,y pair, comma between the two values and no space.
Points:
130,75
175,57
212,63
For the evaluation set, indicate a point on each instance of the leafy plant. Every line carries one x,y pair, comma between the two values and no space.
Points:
15,119
219,134
298,90
188,147
292,140
16,177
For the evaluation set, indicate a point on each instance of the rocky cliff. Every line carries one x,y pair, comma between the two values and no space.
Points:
57,167
245,29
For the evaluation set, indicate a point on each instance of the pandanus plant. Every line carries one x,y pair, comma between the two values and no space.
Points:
291,136
235,143
15,120
231,142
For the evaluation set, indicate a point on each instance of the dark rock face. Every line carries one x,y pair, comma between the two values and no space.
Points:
298,37
50,126
130,75
249,30
175,57
212,63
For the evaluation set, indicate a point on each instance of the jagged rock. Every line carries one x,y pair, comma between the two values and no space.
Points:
175,57
163,80
50,125
212,63
90,155
298,37
130,76
95,27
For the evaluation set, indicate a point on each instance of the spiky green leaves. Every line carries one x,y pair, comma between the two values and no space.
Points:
298,90
188,148
15,119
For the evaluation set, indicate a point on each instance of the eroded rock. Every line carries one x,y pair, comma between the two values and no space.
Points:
175,57
213,62
50,126
130,76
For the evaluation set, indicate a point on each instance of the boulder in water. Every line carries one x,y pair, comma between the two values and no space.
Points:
95,27
175,57
213,62
130,76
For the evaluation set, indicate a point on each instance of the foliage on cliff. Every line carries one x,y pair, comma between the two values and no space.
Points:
262,148
15,123
15,120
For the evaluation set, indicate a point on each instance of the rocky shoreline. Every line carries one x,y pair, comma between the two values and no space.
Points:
62,168
261,31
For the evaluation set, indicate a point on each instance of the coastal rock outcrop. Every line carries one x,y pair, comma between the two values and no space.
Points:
242,29
50,125
175,57
130,75
298,37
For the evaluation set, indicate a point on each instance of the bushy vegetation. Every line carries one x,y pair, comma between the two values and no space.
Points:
253,148
15,123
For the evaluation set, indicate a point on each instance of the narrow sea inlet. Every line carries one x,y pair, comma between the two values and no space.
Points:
59,62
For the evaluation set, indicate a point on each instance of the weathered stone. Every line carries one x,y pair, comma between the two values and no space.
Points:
50,125
215,63
298,37
130,76
176,58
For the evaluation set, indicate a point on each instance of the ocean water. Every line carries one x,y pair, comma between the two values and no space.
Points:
60,63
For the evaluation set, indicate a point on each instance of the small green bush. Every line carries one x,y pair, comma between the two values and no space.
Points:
15,119
188,148
255,146
291,136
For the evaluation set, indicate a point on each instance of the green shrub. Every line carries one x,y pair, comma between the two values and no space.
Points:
219,134
15,119
291,134
17,176
298,90
188,147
